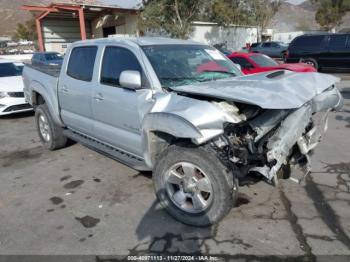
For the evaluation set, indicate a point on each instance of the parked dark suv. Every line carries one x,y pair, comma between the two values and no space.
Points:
326,51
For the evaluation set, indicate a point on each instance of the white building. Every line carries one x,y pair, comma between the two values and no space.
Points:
67,21
235,37
287,37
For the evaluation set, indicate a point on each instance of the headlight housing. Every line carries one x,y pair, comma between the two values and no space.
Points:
3,94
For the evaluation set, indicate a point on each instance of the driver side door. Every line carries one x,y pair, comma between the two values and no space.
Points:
115,109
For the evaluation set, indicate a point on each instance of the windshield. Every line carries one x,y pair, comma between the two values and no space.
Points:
263,60
10,69
53,56
186,64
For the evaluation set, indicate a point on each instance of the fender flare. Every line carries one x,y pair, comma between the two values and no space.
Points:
37,87
168,123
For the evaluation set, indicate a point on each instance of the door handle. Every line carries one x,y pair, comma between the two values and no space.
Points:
98,97
64,89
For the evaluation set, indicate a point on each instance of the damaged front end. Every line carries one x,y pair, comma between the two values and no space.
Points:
270,141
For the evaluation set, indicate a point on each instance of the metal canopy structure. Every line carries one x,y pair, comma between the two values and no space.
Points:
70,10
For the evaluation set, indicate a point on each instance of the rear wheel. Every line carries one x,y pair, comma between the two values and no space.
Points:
310,61
193,186
51,135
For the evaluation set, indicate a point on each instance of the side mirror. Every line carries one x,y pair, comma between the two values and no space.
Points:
130,79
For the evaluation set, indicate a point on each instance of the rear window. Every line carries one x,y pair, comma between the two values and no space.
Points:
308,42
81,63
53,56
36,57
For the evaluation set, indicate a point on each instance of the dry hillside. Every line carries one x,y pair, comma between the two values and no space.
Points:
289,17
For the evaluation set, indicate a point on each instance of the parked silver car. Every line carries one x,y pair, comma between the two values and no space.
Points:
47,58
183,110
273,49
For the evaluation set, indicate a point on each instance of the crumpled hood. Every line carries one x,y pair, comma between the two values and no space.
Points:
11,84
284,91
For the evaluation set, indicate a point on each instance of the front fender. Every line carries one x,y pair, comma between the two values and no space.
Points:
181,117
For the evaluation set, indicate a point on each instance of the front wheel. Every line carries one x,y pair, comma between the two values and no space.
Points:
193,186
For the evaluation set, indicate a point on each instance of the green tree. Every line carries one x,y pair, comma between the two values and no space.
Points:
330,13
262,13
303,26
249,12
173,17
229,12
26,31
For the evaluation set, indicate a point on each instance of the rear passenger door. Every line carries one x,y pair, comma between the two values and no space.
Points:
339,52
115,109
75,89
266,49
275,50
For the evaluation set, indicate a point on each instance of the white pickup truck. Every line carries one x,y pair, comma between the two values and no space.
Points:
183,110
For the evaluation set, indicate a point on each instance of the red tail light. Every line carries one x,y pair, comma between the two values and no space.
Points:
286,54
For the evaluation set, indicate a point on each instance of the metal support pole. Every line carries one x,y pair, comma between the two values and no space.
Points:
82,23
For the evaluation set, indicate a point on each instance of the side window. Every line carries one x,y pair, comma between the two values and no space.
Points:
337,42
309,43
81,63
274,45
244,63
115,61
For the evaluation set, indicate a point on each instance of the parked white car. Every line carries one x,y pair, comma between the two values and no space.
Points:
11,88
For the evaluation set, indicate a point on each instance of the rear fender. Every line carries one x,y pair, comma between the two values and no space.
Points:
37,88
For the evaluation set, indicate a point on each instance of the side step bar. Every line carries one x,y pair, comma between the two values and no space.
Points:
108,150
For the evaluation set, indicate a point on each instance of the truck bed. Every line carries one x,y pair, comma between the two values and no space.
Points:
46,69
43,80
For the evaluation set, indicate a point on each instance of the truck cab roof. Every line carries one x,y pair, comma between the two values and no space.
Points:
141,41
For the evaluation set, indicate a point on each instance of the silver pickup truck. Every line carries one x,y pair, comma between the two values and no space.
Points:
184,111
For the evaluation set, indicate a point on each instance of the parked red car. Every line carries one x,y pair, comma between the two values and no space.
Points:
252,63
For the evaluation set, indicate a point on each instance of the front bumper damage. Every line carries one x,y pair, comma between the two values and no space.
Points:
302,128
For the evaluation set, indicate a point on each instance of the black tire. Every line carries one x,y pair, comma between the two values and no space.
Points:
224,187
310,61
56,139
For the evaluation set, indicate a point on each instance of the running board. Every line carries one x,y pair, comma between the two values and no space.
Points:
108,150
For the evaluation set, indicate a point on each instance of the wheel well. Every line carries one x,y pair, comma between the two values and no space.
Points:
160,141
37,99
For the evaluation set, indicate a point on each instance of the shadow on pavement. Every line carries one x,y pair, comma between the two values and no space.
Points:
159,233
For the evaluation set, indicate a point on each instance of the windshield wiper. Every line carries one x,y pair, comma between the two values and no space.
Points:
179,78
218,71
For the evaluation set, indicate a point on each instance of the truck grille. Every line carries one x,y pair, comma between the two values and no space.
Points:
16,94
17,107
